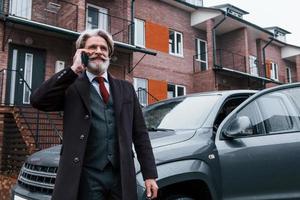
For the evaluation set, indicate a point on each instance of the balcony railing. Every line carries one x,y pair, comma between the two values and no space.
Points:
200,62
119,27
231,60
63,14
45,128
143,96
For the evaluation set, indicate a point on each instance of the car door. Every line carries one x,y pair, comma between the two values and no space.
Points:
259,147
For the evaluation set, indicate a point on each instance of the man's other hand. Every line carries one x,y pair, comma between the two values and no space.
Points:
151,188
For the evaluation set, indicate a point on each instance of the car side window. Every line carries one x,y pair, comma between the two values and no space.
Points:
252,112
275,113
279,111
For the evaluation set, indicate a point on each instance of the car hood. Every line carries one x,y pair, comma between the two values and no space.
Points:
50,157
47,157
163,138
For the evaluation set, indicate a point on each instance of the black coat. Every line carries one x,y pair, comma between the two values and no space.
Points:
67,92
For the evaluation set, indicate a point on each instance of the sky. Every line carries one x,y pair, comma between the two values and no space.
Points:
267,13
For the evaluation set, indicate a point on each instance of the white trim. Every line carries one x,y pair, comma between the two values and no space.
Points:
135,85
274,71
101,12
253,65
27,77
176,89
289,74
198,50
180,54
13,77
136,33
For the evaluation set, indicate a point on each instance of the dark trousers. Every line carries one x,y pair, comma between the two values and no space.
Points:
100,185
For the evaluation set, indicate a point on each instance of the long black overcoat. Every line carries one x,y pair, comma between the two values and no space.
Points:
68,92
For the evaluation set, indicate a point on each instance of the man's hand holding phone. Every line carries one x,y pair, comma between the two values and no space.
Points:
80,61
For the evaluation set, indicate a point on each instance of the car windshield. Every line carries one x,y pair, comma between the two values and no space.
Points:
182,113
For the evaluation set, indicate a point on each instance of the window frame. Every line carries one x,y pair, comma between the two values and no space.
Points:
176,90
180,54
252,62
101,10
289,74
135,33
198,53
274,71
16,8
135,85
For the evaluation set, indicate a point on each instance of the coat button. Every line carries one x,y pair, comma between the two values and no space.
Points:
86,117
76,160
81,137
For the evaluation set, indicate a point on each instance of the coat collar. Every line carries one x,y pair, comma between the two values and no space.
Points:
82,85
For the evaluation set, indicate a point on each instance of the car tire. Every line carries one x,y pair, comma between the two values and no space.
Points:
179,197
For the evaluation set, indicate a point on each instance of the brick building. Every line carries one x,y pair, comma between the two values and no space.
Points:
179,47
166,48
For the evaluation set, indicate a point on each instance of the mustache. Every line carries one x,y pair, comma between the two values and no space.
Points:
99,57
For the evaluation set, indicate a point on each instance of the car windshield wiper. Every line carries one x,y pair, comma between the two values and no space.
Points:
159,129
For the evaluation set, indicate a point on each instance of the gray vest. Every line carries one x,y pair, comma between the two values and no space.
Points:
102,145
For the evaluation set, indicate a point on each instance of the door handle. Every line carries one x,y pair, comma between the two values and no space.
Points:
21,69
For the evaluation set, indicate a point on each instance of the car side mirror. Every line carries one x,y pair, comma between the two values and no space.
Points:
239,127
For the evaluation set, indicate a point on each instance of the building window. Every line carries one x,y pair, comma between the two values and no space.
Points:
274,71
195,2
175,90
96,17
27,78
21,8
201,53
253,65
1,6
175,43
139,32
288,75
141,88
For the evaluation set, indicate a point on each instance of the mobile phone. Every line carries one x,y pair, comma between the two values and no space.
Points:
84,59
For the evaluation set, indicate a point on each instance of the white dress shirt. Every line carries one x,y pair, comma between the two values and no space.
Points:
92,80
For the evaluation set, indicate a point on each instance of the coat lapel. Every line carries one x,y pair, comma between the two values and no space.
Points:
82,85
117,93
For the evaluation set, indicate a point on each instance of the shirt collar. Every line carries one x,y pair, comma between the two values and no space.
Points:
91,76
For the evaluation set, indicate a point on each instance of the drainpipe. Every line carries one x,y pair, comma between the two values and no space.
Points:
132,21
214,39
264,57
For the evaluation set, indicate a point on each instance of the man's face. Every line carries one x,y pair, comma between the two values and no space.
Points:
98,55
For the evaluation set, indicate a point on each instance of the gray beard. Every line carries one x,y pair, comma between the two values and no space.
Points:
96,68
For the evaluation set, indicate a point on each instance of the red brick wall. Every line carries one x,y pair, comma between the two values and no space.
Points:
234,49
228,81
298,68
273,53
56,48
3,54
177,70
116,9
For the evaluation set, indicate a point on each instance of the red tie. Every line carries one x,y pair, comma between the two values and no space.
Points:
103,90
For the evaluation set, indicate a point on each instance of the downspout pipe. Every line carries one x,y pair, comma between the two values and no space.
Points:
214,39
132,21
264,56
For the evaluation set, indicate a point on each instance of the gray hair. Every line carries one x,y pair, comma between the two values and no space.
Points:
80,43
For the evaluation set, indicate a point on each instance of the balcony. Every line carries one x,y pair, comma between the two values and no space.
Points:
57,13
231,60
62,17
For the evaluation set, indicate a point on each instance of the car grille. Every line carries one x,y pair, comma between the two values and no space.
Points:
37,178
